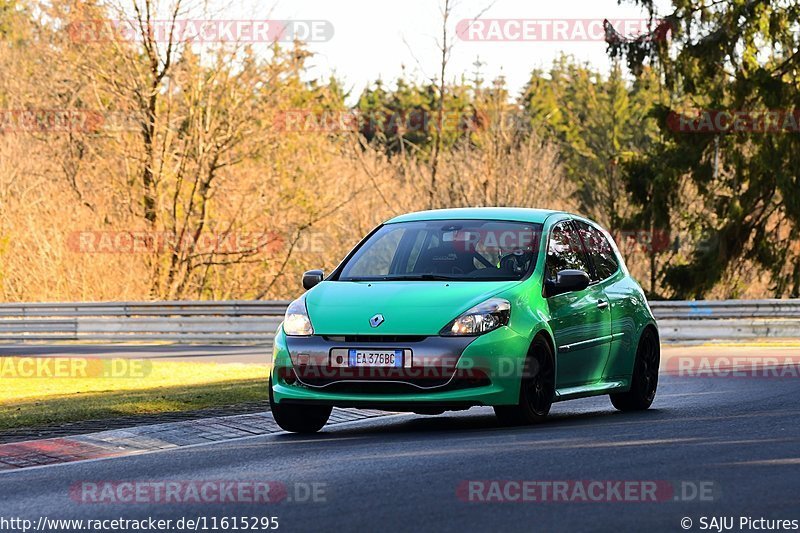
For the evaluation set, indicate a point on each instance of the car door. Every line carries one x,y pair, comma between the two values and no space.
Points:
623,295
580,320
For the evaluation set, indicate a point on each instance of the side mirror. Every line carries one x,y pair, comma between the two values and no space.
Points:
566,281
312,278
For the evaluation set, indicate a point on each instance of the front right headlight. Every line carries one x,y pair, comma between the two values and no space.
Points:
483,318
296,321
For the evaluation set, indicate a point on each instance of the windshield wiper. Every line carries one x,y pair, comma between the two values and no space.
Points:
422,277
407,277
429,277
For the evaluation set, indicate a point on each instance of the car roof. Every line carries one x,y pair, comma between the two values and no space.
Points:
516,214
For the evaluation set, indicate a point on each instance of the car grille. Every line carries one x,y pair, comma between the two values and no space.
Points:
401,339
407,387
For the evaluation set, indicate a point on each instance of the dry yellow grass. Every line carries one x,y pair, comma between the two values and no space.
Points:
162,387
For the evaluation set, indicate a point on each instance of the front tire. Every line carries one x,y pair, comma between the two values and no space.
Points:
644,380
298,418
537,388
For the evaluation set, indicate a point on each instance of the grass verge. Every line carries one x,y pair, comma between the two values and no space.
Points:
155,387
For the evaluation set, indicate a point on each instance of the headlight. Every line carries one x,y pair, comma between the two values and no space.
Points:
296,321
484,317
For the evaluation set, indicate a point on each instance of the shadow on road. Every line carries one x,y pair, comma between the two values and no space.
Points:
475,420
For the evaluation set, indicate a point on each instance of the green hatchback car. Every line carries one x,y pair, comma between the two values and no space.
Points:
449,309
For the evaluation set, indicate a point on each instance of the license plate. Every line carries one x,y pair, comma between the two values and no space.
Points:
373,358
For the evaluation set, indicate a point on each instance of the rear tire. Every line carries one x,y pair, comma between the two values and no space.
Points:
644,381
537,388
298,418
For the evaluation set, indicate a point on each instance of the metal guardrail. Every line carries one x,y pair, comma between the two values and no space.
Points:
715,309
733,320
246,321
231,321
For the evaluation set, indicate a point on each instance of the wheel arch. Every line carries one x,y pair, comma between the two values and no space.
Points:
547,335
651,326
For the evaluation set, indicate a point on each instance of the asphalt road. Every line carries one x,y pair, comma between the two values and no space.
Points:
737,439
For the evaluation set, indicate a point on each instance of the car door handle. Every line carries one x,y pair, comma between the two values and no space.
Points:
602,304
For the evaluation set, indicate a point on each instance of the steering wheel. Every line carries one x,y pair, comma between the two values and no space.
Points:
516,262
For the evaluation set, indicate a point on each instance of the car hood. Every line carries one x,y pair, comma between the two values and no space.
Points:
408,307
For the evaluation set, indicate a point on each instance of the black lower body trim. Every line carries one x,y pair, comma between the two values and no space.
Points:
390,406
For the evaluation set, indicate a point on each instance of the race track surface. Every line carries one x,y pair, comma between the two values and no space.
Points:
730,445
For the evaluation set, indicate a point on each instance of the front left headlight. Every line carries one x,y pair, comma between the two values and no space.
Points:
483,318
296,321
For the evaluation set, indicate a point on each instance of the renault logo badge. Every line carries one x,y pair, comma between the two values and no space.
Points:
376,321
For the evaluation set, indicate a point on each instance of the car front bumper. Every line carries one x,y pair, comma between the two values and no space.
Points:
437,373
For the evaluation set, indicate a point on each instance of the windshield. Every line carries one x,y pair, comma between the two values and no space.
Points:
461,250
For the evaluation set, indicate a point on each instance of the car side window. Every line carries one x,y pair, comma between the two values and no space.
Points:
564,251
602,254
